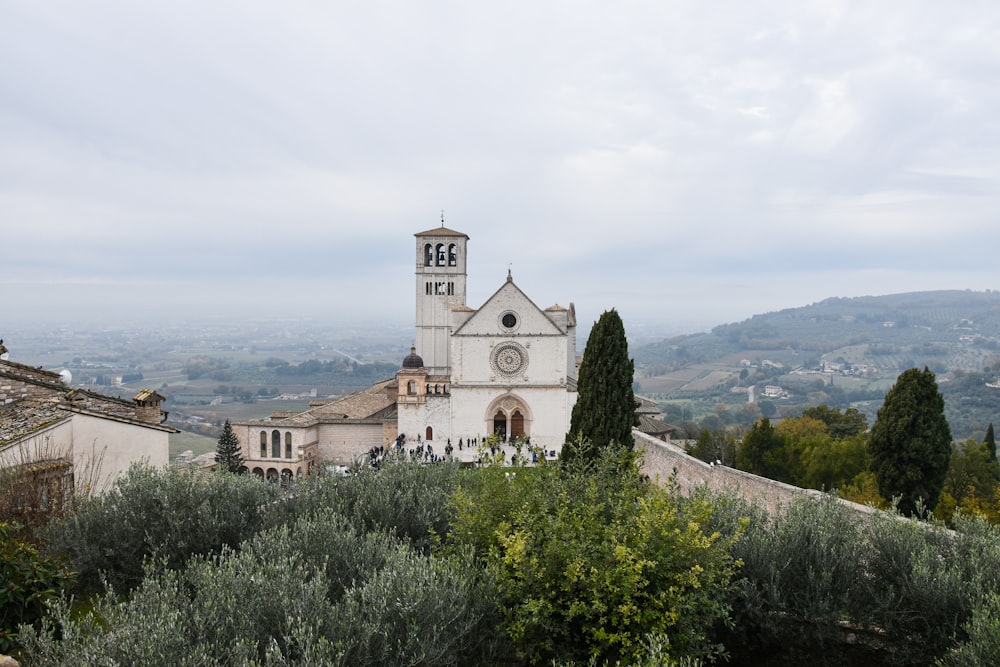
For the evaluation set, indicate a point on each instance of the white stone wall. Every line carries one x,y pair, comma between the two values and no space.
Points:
109,448
53,442
548,409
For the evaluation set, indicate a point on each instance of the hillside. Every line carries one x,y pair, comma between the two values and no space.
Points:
840,351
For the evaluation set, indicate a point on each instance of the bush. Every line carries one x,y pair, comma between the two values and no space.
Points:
408,499
592,562
28,579
170,514
316,592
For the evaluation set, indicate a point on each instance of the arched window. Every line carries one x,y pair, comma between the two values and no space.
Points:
263,444
452,257
429,435
411,387
428,254
288,445
275,444
440,254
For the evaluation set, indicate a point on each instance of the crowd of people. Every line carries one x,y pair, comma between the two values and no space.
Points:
515,451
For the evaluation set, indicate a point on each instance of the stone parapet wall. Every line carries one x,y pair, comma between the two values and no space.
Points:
663,461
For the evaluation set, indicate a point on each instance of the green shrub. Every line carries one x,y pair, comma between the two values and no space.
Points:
408,499
28,579
316,592
169,513
590,563
982,647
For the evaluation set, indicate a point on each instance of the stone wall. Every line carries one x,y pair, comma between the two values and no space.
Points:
663,460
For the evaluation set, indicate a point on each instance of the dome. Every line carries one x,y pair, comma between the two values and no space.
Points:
413,359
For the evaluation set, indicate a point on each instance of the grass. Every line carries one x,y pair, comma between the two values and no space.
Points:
183,441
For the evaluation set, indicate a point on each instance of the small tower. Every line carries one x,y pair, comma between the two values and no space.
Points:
441,286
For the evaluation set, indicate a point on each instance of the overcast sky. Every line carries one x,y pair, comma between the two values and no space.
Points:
688,163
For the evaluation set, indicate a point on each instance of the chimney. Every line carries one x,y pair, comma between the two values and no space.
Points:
147,406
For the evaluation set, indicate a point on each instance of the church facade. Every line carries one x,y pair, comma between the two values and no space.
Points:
508,367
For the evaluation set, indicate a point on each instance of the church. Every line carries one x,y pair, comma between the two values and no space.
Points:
508,367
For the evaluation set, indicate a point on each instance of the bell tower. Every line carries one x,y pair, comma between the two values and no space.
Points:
441,277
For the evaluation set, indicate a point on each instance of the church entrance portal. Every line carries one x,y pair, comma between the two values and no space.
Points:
500,425
508,418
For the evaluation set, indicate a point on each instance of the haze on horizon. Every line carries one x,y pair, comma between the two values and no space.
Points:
689,164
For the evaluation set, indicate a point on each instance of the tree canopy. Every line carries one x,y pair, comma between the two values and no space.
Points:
228,454
910,442
604,412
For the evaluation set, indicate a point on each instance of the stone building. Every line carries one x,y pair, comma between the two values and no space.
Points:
508,367
78,436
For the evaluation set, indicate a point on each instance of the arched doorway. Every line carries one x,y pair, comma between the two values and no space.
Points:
508,416
517,424
500,425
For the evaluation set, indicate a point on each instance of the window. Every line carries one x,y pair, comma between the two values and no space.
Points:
452,257
428,254
288,445
275,444
440,254
263,444
451,289
429,434
411,387
428,289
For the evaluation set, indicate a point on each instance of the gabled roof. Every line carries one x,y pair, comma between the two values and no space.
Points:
52,401
442,231
508,286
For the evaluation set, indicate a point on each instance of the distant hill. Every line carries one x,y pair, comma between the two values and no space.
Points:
845,351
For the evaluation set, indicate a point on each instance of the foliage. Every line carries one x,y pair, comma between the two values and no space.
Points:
315,592
850,422
714,446
591,563
910,442
28,579
817,567
604,411
167,513
761,451
409,500
228,453
812,458
971,483
983,644
990,441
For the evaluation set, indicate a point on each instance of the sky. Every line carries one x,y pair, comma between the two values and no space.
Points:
686,163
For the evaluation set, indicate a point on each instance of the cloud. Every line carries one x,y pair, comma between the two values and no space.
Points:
711,160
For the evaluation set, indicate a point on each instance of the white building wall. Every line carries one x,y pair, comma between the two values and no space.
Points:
54,442
342,444
107,449
549,412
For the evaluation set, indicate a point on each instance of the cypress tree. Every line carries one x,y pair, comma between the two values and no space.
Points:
228,454
910,442
991,442
604,412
